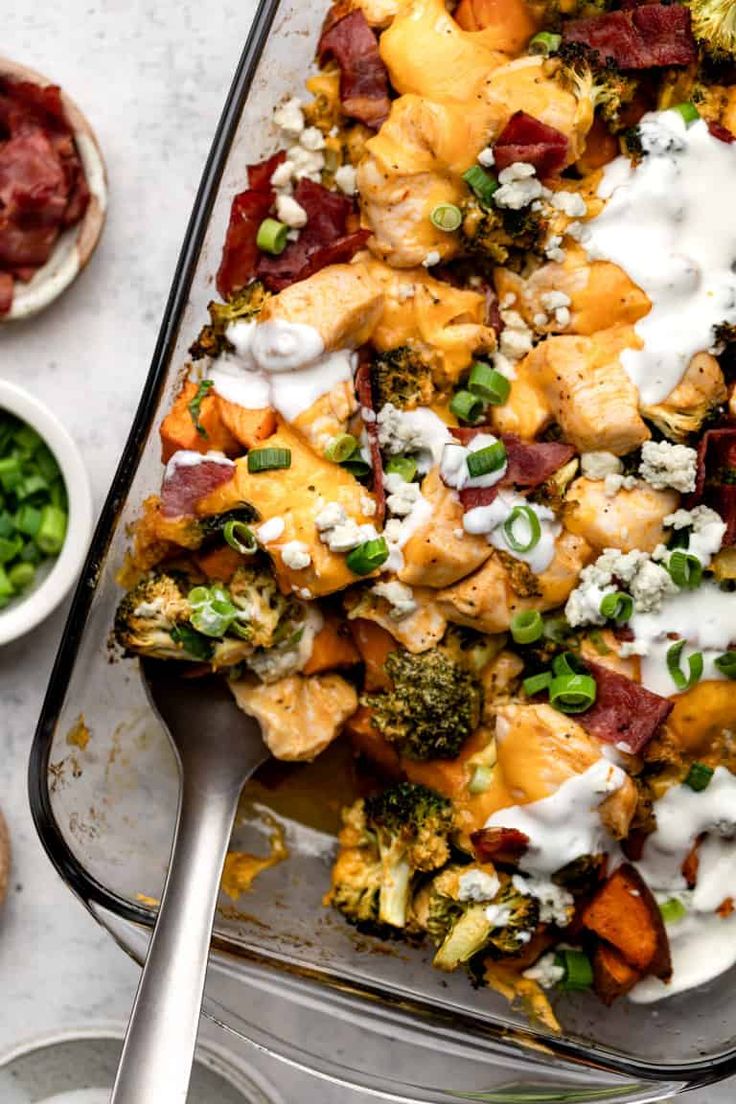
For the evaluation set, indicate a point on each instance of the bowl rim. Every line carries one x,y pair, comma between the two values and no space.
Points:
30,611
76,245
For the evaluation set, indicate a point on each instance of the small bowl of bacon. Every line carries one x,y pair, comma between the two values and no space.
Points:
53,191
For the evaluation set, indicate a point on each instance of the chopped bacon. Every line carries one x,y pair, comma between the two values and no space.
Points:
43,189
529,465
722,133
364,390
326,238
715,484
624,712
525,138
363,77
649,36
504,846
6,292
240,254
185,483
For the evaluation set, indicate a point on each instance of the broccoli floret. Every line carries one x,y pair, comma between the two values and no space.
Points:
153,619
597,78
494,233
714,25
386,842
464,928
433,707
271,617
240,307
402,377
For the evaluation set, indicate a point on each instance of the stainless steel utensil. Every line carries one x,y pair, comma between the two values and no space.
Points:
217,748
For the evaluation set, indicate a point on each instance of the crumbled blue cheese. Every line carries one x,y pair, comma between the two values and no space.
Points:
646,581
270,530
553,250
650,586
500,917
312,138
477,885
571,204
551,300
666,465
615,482
432,258
402,496
289,116
519,186
282,174
556,905
597,465
290,212
454,464
418,431
272,664
707,530
296,555
338,531
486,157
516,339
345,179
398,595
545,971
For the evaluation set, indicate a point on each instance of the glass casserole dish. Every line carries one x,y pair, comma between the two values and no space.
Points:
104,796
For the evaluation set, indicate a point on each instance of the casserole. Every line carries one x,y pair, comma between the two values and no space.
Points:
121,786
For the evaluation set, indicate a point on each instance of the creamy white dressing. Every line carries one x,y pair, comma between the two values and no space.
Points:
703,944
567,824
669,225
705,618
454,464
279,364
489,521
187,458
420,432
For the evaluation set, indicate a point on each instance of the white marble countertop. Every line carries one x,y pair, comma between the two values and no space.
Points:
151,75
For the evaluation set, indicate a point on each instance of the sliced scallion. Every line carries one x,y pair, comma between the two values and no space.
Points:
578,972
686,569
405,466
466,406
688,110
617,607
480,779
520,519
489,384
342,447
526,627
572,693
694,664
535,684
486,460
268,459
272,236
21,575
446,216
726,664
672,910
367,556
481,183
240,537
545,42
699,776
51,530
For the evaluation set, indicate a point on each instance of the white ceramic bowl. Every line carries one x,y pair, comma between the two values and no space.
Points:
31,608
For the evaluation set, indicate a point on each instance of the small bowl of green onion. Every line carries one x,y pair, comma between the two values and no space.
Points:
45,512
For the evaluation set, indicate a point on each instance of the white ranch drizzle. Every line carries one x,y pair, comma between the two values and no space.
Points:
488,521
668,224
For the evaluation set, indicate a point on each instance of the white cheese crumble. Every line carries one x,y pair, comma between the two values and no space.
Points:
295,555
289,116
666,465
519,186
399,596
647,582
556,904
486,157
282,174
345,178
500,917
307,163
545,971
270,530
290,212
571,204
707,530
402,496
597,465
516,339
418,431
615,482
338,531
312,138
477,885
551,300
553,250
432,258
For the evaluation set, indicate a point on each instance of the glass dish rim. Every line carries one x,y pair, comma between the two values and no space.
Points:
89,889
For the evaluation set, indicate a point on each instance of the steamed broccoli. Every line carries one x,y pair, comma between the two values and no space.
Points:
386,841
240,307
402,377
434,705
598,79
714,25
464,925
153,619
493,234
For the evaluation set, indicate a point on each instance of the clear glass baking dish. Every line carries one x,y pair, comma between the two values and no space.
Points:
363,1014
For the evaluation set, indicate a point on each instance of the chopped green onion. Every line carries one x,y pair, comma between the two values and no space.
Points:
535,684
342,447
686,569
672,910
567,663
556,629
51,530
21,575
11,473
28,520
357,466
272,236
488,384
46,463
405,466
31,485
268,459
27,439
7,590
446,216
466,406
486,460
699,776
198,646
599,643
618,606
481,183
527,627
545,43
194,406
240,537
572,693
578,970
524,516
480,779
726,664
694,663
212,612
9,548
367,556
688,111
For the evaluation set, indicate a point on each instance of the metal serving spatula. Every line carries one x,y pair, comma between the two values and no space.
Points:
217,748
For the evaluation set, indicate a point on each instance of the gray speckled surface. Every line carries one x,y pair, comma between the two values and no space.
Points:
151,76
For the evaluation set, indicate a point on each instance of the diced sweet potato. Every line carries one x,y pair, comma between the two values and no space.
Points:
612,975
331,648
178,430
247,426
375,645
625,914
219,563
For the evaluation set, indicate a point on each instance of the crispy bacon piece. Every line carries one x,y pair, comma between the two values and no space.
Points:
525,138
240,254
722,133
363,78
325,239
715,484
43,189
364,391
529,465
645,37
504,846
623,712
185,484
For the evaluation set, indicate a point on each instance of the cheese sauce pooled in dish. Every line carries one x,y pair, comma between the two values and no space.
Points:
669,225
